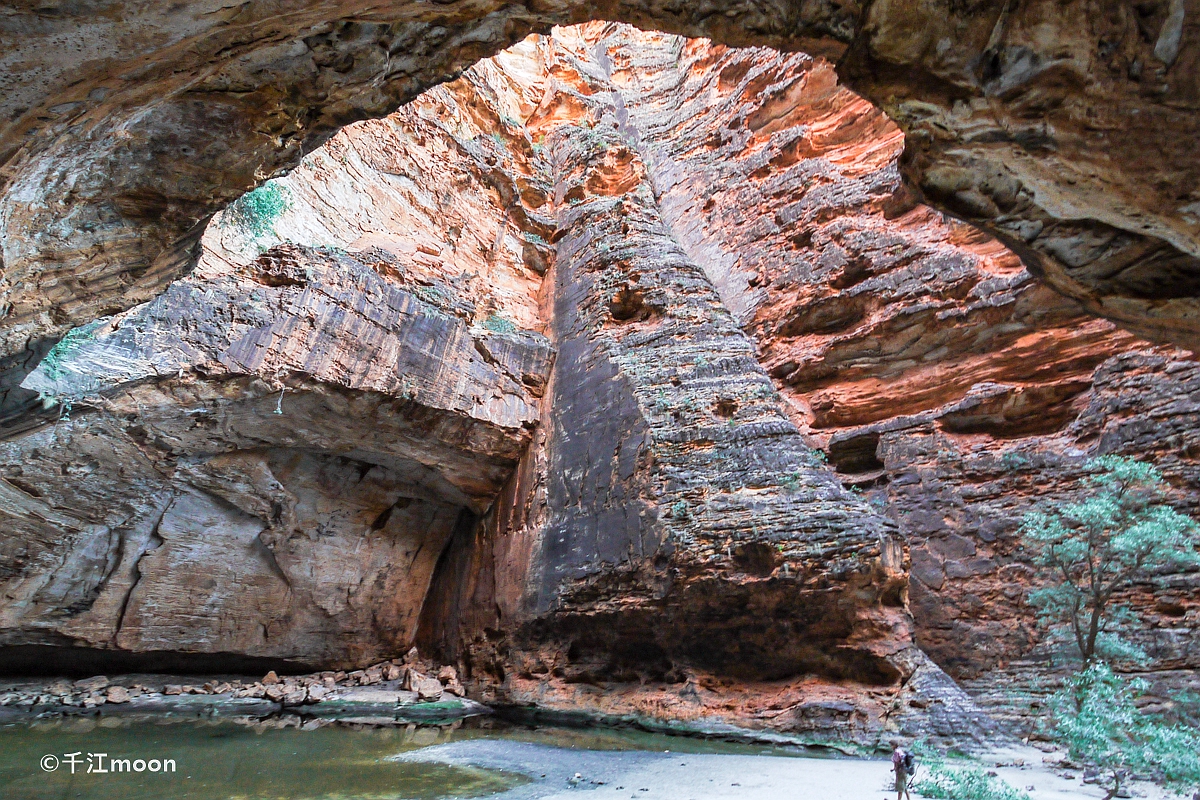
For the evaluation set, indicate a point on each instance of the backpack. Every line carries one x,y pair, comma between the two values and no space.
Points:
908,761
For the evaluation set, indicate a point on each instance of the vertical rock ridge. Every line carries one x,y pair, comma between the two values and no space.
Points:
684,526
624,370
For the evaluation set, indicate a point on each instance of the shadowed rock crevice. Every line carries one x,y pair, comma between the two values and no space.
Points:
75,662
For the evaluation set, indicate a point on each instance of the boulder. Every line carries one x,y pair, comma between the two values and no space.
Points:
428,689
91,684
117,694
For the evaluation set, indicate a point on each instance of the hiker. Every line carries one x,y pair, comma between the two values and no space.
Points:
902,764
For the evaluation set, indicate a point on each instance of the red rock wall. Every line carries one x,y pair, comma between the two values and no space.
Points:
614,293
944,381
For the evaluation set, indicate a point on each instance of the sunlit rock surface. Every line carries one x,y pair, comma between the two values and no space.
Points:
626,372
1070,132
941,378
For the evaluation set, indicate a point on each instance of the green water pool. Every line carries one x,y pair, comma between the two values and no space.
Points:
227,761
230,761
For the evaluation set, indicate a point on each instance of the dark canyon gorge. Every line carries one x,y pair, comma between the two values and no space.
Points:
629,373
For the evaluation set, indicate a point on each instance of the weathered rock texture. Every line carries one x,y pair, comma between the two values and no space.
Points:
1068,131
269,458
940,378
285,454
671,522
943,381
263,463
543,371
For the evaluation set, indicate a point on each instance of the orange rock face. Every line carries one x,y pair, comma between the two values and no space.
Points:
944,381
626,372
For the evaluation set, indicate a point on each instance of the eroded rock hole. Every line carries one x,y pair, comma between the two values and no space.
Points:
725,407
628,303
855,453
757,558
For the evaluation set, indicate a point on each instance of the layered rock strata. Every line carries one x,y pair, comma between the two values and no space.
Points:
677,532
943,381
552,351
307,416
1070,133
262,463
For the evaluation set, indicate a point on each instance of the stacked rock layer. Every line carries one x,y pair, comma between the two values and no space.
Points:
622,371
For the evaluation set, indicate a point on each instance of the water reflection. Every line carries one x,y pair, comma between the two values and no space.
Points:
227,761
287,758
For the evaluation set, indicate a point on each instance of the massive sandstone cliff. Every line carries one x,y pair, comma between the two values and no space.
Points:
945,382
623,370
1069,130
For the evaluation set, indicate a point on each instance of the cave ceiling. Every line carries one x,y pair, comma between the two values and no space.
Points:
1067,131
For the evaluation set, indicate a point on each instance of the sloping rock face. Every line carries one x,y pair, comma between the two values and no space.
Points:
658,384
625,371
1069,133
267,460
671,534
263,464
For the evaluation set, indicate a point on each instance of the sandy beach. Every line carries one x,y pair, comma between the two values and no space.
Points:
641,775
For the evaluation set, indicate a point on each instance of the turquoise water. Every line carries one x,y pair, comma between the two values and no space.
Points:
228,761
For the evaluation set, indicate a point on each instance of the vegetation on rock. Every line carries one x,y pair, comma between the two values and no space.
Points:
498,324
256,212
1096,717
1121,532
53,362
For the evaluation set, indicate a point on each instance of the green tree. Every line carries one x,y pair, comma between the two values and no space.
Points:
1122,532
1096,717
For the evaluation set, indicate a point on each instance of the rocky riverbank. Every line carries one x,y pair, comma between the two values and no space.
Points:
390,692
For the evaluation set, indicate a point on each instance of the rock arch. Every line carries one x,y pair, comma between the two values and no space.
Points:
1069,132
107,212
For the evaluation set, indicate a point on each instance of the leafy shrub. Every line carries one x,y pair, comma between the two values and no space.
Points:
944,782
1096,717
53,361
255,213
498,324
429,294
